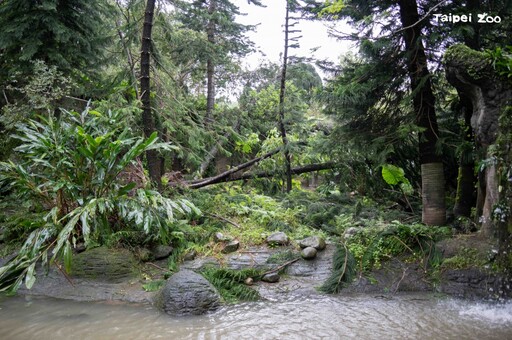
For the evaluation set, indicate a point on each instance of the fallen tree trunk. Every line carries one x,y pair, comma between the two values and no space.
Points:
219,178
261,174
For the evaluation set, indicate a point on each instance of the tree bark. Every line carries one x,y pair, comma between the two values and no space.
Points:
433,197
466,179
473,75
148,121
282,92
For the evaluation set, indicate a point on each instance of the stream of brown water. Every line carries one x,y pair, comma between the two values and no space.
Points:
410,316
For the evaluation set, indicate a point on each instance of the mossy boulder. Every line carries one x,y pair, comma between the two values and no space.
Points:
105,264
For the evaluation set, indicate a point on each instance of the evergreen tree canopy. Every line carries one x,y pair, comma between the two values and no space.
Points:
62,33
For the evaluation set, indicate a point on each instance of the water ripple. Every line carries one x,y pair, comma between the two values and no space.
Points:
291,317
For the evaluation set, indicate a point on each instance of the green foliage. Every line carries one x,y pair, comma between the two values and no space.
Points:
332,7
371,246
394,175
153,286
231,283
502,60
465,258
343,271
66,34
72,168
38,93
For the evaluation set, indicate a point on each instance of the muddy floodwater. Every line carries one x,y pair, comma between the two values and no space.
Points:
410,316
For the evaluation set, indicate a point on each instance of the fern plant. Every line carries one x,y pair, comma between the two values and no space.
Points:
230,283
70,168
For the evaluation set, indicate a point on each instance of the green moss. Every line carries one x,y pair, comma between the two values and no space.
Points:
477,64
106,264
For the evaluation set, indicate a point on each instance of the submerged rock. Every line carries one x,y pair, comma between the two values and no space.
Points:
308,253
316,242
187,293
278,238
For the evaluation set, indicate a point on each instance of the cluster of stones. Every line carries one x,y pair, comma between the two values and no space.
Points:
311,246
187,292
229,244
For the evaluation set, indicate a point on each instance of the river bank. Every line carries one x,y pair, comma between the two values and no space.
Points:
298,278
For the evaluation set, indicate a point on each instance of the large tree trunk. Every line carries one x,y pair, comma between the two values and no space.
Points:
210,64
433,196
282,128
148,122
466,179
465,199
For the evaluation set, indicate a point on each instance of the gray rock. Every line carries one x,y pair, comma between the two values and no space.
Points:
278,238
316,242
104,264
270,277
308,253
190,255
161,252
220,237
187,293
231,247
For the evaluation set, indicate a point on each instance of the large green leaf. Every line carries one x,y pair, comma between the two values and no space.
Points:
393,175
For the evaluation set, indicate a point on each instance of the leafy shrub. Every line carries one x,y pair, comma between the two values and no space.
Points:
71,168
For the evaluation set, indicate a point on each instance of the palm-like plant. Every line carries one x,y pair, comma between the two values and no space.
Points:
70,167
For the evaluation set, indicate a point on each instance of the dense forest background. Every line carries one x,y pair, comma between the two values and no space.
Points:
113,130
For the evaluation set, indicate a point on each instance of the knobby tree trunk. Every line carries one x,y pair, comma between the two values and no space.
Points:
433,193
282,92
474,77
148,122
